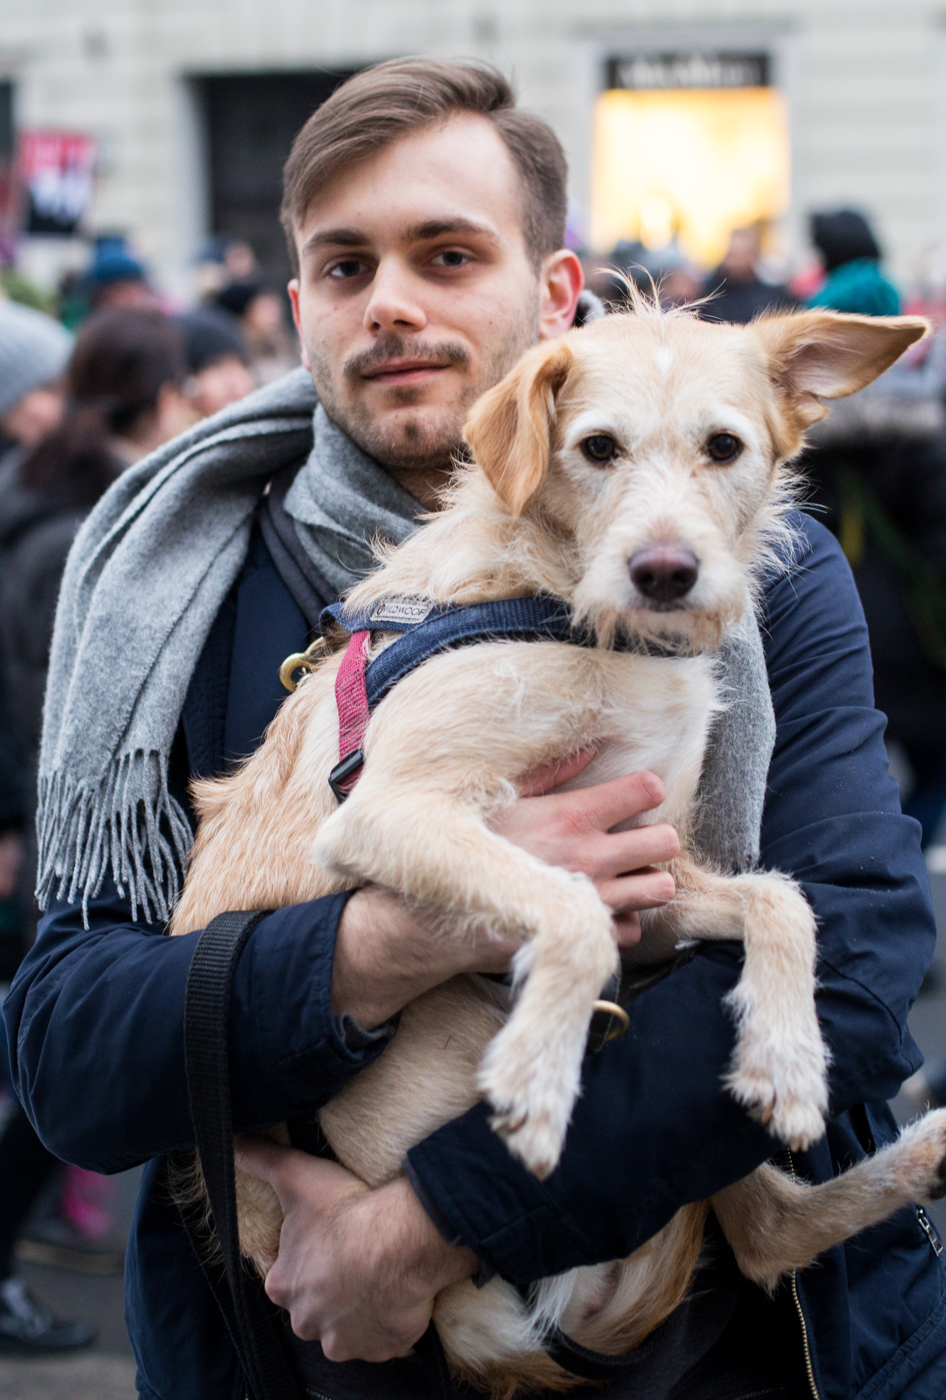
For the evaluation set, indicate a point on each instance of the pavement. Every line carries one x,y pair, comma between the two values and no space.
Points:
107,1370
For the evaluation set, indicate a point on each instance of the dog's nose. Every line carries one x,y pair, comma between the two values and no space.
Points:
663,572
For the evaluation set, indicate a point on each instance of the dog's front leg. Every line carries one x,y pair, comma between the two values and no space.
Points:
444,855
779,1068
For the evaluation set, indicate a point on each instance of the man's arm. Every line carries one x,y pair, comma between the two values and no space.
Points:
95,1021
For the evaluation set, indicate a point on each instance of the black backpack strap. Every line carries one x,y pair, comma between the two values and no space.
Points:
309,590
206,1048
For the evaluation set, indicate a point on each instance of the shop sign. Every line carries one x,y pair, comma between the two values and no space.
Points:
640,72
56,170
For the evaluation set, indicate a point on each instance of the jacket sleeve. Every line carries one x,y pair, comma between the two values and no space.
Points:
95,1020
653,1128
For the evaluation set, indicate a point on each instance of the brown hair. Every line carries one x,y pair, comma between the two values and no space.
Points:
386,102
121,360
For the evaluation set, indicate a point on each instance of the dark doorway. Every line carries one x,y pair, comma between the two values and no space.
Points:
250,122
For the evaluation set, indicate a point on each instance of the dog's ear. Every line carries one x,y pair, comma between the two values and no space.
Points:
817,355
510,426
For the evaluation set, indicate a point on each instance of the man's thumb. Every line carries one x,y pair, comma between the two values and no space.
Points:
262,1158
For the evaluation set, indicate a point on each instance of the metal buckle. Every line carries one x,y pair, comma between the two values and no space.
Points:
608,1022
341,773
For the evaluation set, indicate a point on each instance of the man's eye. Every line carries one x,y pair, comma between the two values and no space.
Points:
723,447
599,448
348,267
451,257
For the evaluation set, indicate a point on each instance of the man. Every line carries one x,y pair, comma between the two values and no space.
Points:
427,216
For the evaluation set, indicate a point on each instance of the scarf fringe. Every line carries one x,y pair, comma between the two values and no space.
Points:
128,826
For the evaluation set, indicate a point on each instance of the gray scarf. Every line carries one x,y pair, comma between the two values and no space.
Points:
340,500
145,580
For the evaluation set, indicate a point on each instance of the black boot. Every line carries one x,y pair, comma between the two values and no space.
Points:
26,1327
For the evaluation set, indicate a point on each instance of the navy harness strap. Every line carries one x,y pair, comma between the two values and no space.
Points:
540,618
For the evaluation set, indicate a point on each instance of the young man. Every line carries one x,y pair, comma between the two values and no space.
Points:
427,217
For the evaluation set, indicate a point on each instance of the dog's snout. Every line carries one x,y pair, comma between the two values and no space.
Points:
663,572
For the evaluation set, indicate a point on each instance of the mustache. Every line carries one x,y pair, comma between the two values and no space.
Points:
394,347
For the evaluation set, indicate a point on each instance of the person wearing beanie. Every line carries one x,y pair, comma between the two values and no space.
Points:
34,349
851,257
116,279
216,360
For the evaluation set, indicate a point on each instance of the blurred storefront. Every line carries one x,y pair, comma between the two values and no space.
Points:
690,146
680,121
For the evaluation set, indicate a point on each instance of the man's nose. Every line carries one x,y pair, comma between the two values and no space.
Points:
663,572
393,303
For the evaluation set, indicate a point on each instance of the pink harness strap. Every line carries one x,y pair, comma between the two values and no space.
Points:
351,699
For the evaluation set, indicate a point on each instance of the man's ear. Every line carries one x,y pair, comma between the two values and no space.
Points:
823,355
510,426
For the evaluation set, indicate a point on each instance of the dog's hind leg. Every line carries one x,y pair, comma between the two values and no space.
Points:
439,850
779,1068
775,1224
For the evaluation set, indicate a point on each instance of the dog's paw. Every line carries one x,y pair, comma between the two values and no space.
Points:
781,1078
921,1156
531,1106
530,1136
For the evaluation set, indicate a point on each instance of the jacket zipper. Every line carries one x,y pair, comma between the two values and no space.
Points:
926,1225
806,1345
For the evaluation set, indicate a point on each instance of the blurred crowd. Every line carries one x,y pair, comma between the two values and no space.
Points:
116,372
83,396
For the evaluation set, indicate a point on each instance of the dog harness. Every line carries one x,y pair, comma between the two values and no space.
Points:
427,629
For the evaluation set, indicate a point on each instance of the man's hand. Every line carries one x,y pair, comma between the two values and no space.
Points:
386,953
357,1269
574,830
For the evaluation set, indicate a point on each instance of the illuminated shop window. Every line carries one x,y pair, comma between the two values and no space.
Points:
687,146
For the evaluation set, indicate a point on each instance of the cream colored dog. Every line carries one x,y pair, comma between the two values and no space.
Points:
637,470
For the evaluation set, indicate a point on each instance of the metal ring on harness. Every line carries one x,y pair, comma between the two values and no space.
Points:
617,1013
300,661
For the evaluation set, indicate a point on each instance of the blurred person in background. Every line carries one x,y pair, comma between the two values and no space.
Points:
117,279
261,311
216,360
124,387
34,349
33,353
877,472
737,293
851,258
221,260
666,269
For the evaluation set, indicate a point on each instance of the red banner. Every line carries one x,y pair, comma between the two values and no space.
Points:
56,171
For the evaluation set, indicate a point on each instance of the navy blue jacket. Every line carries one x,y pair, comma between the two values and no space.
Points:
95,1023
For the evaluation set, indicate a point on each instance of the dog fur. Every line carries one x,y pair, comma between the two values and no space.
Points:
447,747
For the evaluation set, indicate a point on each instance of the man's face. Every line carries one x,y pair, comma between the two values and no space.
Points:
416,292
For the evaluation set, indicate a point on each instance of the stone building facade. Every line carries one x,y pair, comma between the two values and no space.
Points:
860,85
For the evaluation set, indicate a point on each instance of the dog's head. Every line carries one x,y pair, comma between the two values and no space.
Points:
656,446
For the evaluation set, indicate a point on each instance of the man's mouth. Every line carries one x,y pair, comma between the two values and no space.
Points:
405,371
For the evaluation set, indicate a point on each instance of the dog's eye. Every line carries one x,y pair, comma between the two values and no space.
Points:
724,447
600,448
